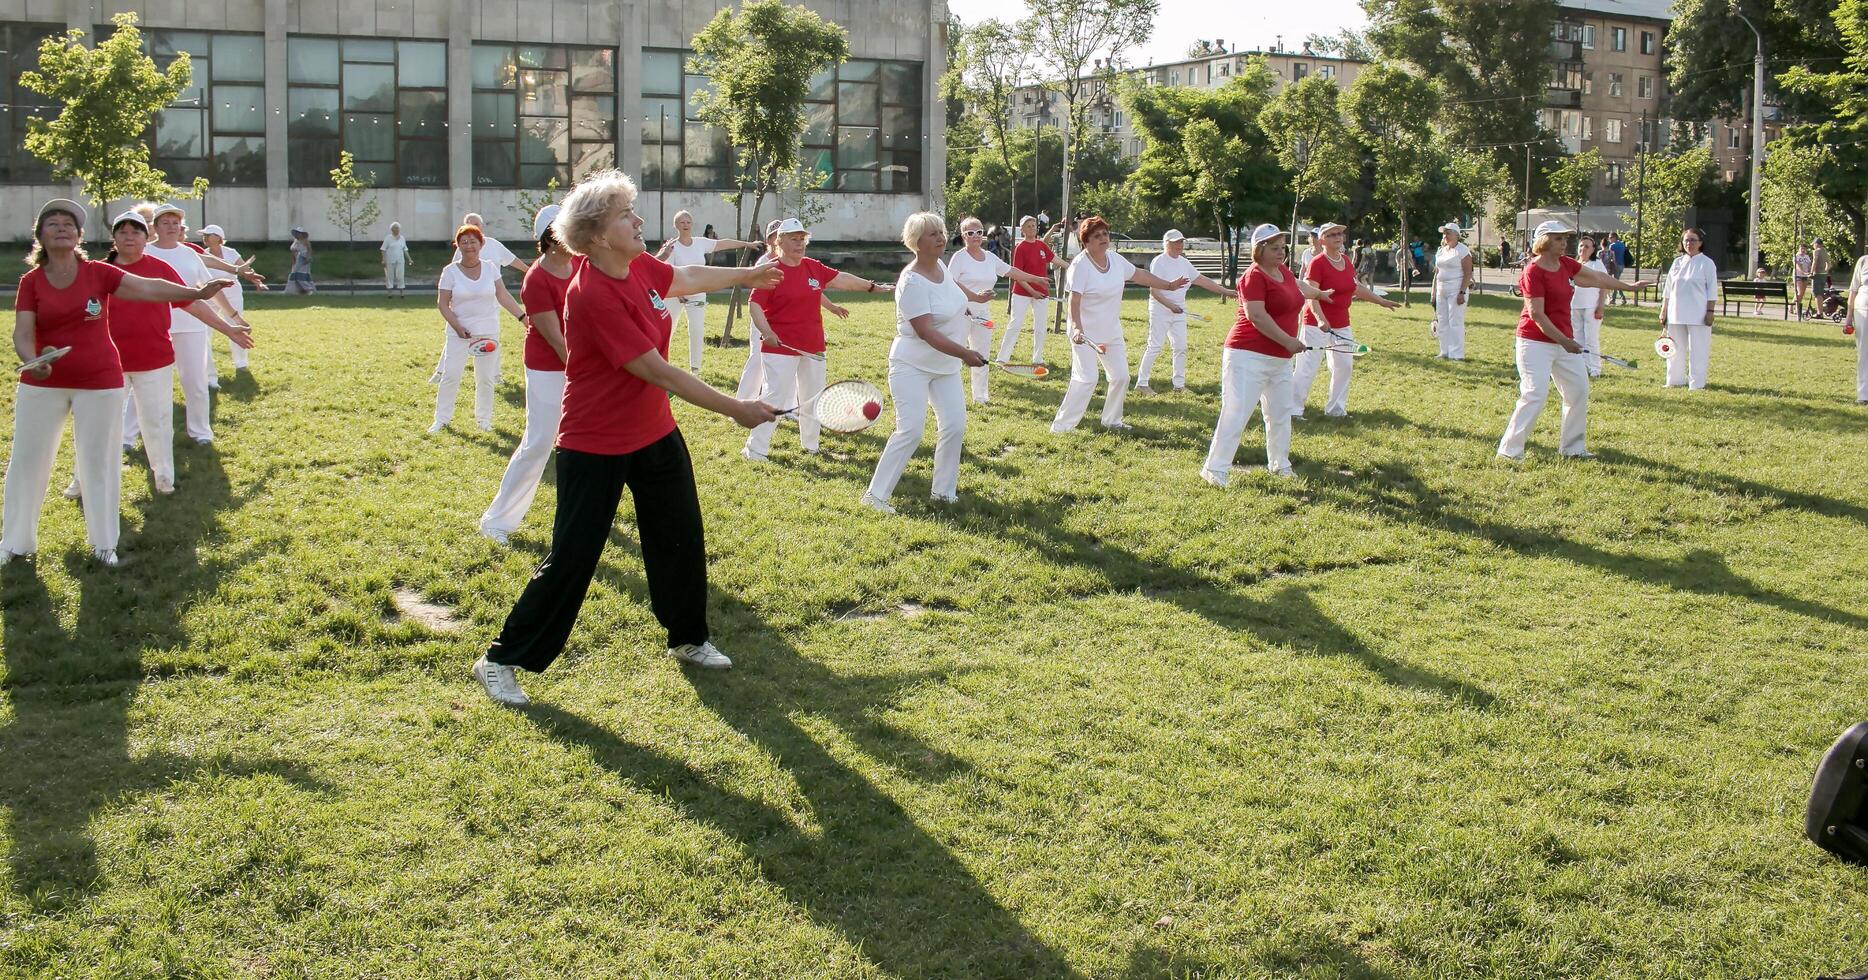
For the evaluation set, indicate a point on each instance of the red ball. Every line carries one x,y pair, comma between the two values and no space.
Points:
871,410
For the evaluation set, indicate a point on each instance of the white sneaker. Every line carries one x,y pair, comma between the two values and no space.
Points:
108,558
1117,427
1507,457
1585,455
1217,479
435,378
499,682
750,456
879,506
496,535
165,485
73,491
945,498
214,384
702,655
437,427
1144,390
486,427
1285,474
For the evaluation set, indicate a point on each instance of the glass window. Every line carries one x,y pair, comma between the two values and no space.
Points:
237,109
857,71
661,73
239,160
184,137
383,100
823,86
856,104
239,58
544,112
179,133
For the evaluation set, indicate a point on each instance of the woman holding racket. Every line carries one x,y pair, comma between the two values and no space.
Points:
618,430
685,249
543,297
1033,256
1856,309
977,271
1452,278
1326,324
470,295
1256,367
1167,310
1096,279
1586,308
1686,307
932,324
790,316
63,304
752,376
1547,348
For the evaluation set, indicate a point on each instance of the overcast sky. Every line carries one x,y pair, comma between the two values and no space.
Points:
1242,23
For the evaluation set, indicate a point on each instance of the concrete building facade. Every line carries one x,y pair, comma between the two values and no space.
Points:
454,106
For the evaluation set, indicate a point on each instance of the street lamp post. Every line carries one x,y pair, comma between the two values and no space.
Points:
1757,137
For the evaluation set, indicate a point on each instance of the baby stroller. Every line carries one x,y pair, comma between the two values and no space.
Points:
1832,306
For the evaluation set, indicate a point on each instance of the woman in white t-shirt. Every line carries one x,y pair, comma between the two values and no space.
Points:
1586,308
1452,278
685,249
1095,282
978,271
395,249
1686,306
469,296
931,329
497,256
214,244
1857,311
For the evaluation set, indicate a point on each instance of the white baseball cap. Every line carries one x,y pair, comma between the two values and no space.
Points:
1172,235
214,230
162,209
1264,233
546,215
1329,226
1551,228
129,216
790,226
1452,226
66,205
1026,218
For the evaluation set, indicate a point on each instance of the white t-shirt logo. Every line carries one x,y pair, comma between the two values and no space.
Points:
93,309
812,282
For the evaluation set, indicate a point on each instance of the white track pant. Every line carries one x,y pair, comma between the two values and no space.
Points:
1084,362
1539,364
1589,334
1692,355
1164,330
692,312
1249,378
790,382
191,366
979,338
38,425
1039,308
454,358
395,275
752,376
1861,358
1305,366
150,407
913,390
1452,316
544,405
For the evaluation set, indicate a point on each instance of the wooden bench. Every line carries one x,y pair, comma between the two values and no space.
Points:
1755,291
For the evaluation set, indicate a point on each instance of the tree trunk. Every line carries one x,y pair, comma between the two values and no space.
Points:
1407,260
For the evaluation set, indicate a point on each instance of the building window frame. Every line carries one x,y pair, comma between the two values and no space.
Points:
1644,87
1618,38
21,53
223,108
517,118
325,117
1611,130
1647,42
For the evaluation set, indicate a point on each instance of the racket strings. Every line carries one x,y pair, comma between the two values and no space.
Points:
840,407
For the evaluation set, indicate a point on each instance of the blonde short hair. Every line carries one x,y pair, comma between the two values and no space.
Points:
590,206
972,220
683,213
921,223
1537,247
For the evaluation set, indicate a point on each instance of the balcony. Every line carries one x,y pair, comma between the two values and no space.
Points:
1566,51
1563,98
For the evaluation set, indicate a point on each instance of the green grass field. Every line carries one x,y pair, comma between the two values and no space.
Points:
1414,714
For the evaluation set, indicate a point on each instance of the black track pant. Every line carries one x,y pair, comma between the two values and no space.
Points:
660,478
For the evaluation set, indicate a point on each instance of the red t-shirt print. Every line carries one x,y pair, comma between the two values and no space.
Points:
1032,256
613,321
1282,301
542,292
793,307
1327,276
77,317
141,330
1556,289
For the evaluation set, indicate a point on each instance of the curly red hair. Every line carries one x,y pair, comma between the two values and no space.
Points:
469,229
1090,226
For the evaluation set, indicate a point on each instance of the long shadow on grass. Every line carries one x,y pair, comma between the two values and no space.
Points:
67,746
1393,491
872,873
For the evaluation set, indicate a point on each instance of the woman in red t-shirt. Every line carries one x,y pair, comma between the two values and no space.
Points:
1031,255
1546,346
618,430
1256,368
790,322
752,376
542,295
64,302
1325,323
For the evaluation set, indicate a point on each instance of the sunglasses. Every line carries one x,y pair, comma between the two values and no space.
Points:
974,234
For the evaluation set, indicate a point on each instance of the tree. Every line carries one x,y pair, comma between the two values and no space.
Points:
1305,125
1392,111
1710,54
1351,44
984,187
1665,187
111,95
1481,183
1843,91
994,58
1067,35
761,59
1172,174
1571,180
529,203
1487,58
1792,205
351,206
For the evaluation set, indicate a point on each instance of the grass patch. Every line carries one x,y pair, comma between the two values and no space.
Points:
1415,713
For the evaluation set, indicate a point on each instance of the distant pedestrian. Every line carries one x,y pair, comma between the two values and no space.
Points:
1819,269
298,281
1801,266
396,260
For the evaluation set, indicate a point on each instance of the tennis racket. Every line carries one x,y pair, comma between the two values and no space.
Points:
1663,346
1612,359
1353,350
846,406
787,348
483,346
1100,348
1024,370
46,356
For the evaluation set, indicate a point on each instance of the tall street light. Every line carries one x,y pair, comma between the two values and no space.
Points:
1757,137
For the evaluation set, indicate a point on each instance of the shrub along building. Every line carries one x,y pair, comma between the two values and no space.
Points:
451,106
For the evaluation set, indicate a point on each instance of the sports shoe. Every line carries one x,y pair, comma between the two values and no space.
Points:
1180,387
73,491
1117,427
1144,390
486,426
700,655
1284,474
945,498
877,505
204,442
499,682
1216,479
165,485
1298,417
496,535
214,384
750,456
1584,456
108,558
1507,457
435,378
437,427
